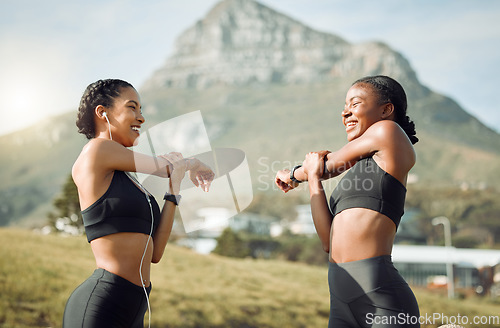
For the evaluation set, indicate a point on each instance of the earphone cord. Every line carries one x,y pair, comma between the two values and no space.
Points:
142,260
145,248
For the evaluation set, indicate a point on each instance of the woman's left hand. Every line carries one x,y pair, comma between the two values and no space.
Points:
178,170
200,174
284,182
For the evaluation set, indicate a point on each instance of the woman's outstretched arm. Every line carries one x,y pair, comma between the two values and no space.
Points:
377,137
313,166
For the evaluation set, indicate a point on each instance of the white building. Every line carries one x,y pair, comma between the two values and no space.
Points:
303,224
418,263
214,220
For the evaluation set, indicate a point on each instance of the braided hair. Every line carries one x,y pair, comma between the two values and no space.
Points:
389,90
102,92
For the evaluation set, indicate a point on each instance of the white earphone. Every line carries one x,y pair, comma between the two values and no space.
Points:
105,115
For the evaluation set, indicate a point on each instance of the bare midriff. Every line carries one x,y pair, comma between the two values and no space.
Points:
121,254
360,233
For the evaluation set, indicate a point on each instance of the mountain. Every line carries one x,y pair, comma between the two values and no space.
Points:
242,41
244,61
271,86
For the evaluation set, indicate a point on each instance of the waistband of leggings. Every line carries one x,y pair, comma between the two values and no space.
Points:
387,259
105,275
352,279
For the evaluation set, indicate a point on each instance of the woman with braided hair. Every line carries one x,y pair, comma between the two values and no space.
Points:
125,227
358,226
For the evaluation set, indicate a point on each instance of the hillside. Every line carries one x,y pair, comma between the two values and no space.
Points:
278,123
269,85
38,273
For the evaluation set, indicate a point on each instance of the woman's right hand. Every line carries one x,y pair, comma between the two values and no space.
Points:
314,164
200,174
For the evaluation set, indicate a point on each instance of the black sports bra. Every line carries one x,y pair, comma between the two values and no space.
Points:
366,185
123,208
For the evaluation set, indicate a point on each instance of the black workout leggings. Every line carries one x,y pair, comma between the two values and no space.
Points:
370,293
106,300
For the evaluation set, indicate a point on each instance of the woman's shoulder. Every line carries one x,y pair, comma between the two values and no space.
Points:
386,128
394,144
389,134
102,156
91,152
99,147
97,144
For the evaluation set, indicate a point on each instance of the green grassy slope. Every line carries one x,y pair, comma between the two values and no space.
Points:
38,273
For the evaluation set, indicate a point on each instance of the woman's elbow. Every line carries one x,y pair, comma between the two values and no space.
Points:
325,244
156,258
326,247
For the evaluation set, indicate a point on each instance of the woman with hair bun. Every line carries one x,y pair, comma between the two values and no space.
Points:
125,227
358,226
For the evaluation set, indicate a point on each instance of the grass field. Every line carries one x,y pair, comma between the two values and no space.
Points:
38,273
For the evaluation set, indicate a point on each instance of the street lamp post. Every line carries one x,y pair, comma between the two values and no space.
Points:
447,242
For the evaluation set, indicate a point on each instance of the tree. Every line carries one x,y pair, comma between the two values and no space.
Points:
230,244
67,216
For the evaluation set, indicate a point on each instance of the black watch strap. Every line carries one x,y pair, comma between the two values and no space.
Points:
172,198
292,172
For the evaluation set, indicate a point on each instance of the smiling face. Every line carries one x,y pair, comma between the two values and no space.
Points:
125,117
362,109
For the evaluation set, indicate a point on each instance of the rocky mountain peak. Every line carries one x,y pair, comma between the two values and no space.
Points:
240,42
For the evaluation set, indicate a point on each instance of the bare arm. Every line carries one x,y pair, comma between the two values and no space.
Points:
200,174
313,166
107,155
164,229
379,136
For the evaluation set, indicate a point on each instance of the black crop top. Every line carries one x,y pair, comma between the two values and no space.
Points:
366,185
122,208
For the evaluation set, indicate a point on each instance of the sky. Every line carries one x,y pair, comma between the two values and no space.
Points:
51,50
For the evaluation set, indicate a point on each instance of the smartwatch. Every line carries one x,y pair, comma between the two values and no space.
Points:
172,198
292,172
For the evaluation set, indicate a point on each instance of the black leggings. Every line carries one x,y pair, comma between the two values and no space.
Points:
370,293
106,300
